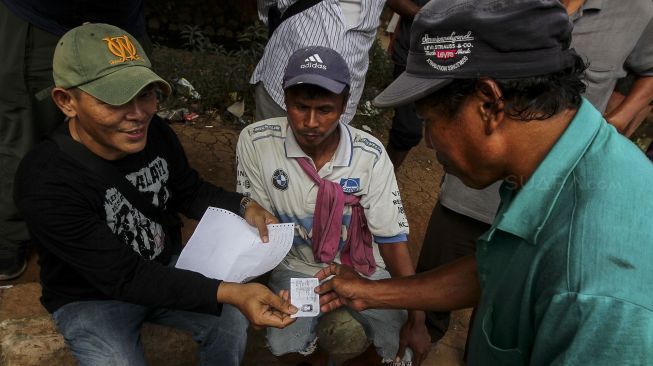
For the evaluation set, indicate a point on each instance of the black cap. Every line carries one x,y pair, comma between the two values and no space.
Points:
466,39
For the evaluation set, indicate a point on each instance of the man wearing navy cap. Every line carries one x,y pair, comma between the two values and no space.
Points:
563,274
336,183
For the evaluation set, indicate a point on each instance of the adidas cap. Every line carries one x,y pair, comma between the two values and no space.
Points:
319,66
105,62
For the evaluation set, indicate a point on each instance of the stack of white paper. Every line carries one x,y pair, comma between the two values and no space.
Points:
225,247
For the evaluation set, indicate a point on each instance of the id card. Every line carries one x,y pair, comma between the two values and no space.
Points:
303,297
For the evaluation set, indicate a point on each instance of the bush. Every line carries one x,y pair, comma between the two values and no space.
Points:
221,77
379,75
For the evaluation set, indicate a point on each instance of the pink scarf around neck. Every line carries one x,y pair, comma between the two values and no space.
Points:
327,225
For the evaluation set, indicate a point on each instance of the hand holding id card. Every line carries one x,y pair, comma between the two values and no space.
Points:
304,298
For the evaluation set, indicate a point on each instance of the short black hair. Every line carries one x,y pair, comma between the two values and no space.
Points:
529,98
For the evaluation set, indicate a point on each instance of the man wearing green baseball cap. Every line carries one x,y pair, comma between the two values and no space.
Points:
101,199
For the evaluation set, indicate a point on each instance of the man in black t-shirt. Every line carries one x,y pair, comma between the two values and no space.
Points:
29,30
104,257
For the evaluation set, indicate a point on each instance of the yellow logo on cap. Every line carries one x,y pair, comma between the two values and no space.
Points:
123,48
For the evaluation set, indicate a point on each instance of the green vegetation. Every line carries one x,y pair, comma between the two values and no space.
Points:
221,76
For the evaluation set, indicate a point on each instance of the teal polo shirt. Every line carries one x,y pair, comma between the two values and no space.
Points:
566,269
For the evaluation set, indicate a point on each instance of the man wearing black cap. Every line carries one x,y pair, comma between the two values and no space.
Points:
336,183
462,214
562,276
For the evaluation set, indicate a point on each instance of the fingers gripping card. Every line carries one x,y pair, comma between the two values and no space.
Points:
303,296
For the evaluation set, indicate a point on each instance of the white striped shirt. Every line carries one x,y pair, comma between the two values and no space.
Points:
321,25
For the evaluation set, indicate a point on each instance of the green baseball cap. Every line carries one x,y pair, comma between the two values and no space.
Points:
105,62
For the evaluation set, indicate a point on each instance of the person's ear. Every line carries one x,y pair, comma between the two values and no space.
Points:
65,101
490,104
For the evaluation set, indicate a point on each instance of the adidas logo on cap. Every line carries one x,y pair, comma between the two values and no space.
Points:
314,62
314,58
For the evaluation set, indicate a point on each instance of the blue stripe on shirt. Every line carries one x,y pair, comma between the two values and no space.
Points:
390,239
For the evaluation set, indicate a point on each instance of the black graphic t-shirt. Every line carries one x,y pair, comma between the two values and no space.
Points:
132,227
94,244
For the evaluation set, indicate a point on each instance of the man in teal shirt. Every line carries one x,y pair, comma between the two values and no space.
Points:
565,270
562,276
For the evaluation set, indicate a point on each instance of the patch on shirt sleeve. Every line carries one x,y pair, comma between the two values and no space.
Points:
265,127
369,143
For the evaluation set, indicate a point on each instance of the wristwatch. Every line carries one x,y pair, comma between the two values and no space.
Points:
243,205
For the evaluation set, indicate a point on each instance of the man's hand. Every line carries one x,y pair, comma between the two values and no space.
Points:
345,288
627,112
259,305
259,217
414,334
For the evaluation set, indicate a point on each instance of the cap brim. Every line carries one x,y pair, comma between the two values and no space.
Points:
319,80
123,85
406,89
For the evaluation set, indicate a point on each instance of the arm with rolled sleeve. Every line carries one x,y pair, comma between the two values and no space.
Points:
386,219
640,62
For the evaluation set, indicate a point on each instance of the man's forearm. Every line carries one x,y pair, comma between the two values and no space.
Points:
449,287
397,259
639,97
227,293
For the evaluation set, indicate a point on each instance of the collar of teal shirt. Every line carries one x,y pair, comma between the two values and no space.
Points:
525,212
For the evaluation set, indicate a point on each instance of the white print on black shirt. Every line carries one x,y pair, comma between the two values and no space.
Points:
132,227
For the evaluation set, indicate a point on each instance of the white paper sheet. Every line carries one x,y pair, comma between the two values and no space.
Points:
225,247
303,296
